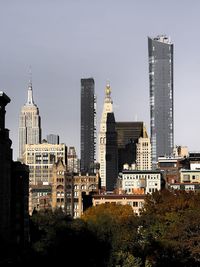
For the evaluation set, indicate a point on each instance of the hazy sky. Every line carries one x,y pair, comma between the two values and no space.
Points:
66,40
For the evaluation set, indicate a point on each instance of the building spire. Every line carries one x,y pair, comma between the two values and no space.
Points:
108,92
30,89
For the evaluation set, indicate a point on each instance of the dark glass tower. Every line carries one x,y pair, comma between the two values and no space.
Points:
161,96
88,128
111,153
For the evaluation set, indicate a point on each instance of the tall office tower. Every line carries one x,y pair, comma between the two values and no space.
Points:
72,160
107,108
128,134
111,164
53,139
161,96
143,154
29,123
88,127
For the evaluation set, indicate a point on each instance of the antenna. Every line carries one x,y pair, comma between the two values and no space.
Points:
136,117
30,75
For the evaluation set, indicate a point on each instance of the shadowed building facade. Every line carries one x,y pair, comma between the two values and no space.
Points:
5,171
161,96
14,184
111,153
128,134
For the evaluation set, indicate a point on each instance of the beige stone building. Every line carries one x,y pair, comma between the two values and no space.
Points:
59,175
65,190
79,189
189,176
143,154
40,159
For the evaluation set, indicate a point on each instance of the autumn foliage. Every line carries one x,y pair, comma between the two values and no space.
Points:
166,234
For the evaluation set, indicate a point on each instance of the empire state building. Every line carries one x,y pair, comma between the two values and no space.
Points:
29,123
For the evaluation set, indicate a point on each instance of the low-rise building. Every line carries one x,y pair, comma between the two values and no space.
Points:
185,186
135,181
39,197
170,166
189,176
135,201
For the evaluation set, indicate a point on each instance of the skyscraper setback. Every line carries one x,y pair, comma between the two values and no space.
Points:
88,125
29,123
161,96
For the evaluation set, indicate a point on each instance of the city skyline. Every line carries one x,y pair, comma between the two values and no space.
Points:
106,40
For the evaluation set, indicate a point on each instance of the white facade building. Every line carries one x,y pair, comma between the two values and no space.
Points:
134,181
107,108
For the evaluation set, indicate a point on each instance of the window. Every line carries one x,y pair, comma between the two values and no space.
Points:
135,204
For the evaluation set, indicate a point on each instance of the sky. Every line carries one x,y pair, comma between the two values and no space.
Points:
67,40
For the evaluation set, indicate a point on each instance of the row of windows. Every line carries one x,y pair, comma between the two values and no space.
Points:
46,149
136,203
152,190
60,200
140,177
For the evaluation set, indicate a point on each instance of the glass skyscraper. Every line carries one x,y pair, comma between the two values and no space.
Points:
88,125
161,96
